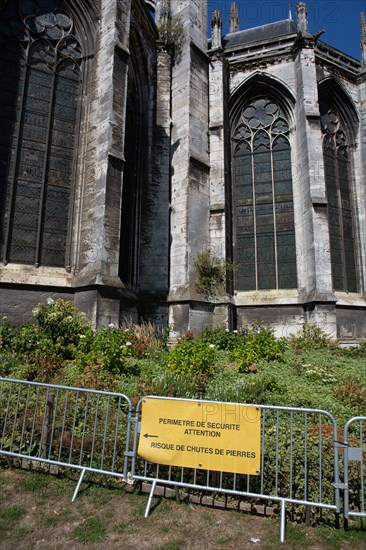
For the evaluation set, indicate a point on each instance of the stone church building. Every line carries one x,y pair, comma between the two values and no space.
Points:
130,143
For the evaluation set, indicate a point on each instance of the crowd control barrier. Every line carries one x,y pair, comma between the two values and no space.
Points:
78,428
355,467
296,456
257,452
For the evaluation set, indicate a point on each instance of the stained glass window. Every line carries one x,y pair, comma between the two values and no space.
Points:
337,179
264,231
40,58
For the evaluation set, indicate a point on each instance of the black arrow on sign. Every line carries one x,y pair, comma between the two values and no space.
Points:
147,436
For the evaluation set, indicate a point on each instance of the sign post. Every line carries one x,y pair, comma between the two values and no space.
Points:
223,437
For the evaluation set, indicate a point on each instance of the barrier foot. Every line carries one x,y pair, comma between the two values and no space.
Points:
177,494
148,506
283,521
78,485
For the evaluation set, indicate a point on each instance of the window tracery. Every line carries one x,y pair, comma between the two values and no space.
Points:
41,59
338,187
264,232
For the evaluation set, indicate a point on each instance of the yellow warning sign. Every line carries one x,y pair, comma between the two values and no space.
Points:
223,437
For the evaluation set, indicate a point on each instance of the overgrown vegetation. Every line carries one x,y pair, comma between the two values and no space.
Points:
171,33
211,273
251,365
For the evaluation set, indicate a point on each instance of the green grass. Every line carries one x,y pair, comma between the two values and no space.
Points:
339,538
89,531
10,515
36,482
177,545
119,522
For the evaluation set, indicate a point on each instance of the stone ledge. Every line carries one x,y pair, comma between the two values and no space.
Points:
269,298
350,299
30,275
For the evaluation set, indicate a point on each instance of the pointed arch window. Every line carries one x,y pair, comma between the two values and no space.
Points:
41,60
264,231
336,152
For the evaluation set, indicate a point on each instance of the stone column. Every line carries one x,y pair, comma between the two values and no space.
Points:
218,126
311,218
101,203
360,168
154,273
360,176
190,167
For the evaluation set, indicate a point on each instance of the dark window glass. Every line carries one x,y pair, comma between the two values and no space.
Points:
264,247
338,186
39,95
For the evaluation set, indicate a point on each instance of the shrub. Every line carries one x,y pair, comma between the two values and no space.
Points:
10,364
222,338
229,385
62,324
195,358
258,343
352,392
31,340
211,273
311,337
175,384
7,334
109,348
191,356
355,351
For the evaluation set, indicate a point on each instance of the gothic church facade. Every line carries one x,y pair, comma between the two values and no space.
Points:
130,144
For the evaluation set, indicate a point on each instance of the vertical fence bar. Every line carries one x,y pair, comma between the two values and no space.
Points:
132,420
262,449
362,471
105,432
84,430
277,448
63,425
42,451
283,521
6,414
94,429
34,420
24,419
115,443
76,403
15,419
305,456
55,405
291,452
320,457
336,468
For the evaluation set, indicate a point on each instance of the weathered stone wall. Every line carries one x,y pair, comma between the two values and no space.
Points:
154,273
96,215
360,180
190,165
184,175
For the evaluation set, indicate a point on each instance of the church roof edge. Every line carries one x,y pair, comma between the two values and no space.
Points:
263,32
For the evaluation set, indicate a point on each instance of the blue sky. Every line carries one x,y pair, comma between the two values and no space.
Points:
340,18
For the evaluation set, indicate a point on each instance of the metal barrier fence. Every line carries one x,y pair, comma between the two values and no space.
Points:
98,431
79,428
355,467
299,463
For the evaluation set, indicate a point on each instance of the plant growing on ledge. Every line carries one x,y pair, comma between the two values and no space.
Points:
211,273
171,33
